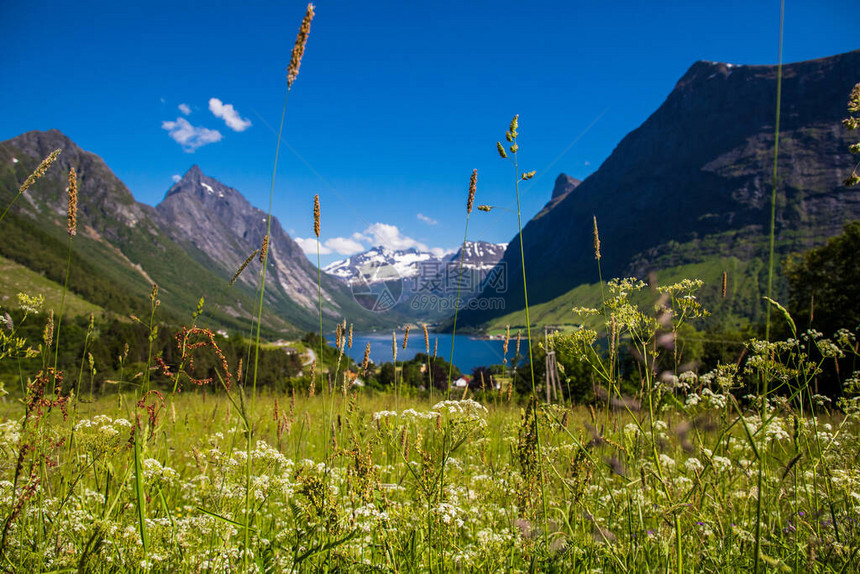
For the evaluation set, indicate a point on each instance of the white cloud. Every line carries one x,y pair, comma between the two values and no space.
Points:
184,109
391,237
440,252
377,234
229,114
427,220
176,178
344,245
188,136
309,246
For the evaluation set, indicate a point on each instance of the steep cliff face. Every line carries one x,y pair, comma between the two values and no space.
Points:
694,181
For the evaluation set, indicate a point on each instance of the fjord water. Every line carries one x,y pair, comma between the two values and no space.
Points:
469,352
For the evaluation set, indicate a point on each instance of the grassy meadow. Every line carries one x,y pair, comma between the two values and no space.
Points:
199,454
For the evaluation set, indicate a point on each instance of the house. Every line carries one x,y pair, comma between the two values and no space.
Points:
462,382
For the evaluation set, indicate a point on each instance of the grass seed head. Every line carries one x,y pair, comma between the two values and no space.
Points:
317,216
394,346
507,340
725,284
473,186
426,340
299,48
406,337
501,149
243,266
514,126
40,170
596,240
48,336
366,360
72,212
264,249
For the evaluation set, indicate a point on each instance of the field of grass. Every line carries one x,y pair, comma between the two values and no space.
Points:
342,483
641,463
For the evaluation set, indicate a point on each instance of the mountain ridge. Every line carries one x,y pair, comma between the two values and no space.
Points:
699,168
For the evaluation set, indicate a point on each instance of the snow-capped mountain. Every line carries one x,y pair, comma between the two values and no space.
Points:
383,264
480,255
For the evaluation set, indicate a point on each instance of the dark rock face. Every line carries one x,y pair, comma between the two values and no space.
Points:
564,184
701,167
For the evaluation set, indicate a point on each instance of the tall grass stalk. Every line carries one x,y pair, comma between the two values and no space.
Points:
511,136
292,73
72,216
762,462
473,183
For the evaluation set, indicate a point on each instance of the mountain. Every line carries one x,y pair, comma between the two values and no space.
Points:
693,182
479,255
382,263
220,228
419,284
190,245
564,184
120,249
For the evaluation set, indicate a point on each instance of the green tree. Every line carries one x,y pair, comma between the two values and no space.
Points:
824,283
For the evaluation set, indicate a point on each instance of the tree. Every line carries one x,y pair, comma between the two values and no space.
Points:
824,284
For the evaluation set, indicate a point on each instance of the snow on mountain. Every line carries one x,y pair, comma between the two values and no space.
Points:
384,264
381,264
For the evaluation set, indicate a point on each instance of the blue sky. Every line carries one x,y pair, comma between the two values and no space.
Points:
396,101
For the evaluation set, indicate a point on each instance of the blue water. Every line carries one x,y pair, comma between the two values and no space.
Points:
468,352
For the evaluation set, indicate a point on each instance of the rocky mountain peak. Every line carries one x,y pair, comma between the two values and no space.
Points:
564,184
